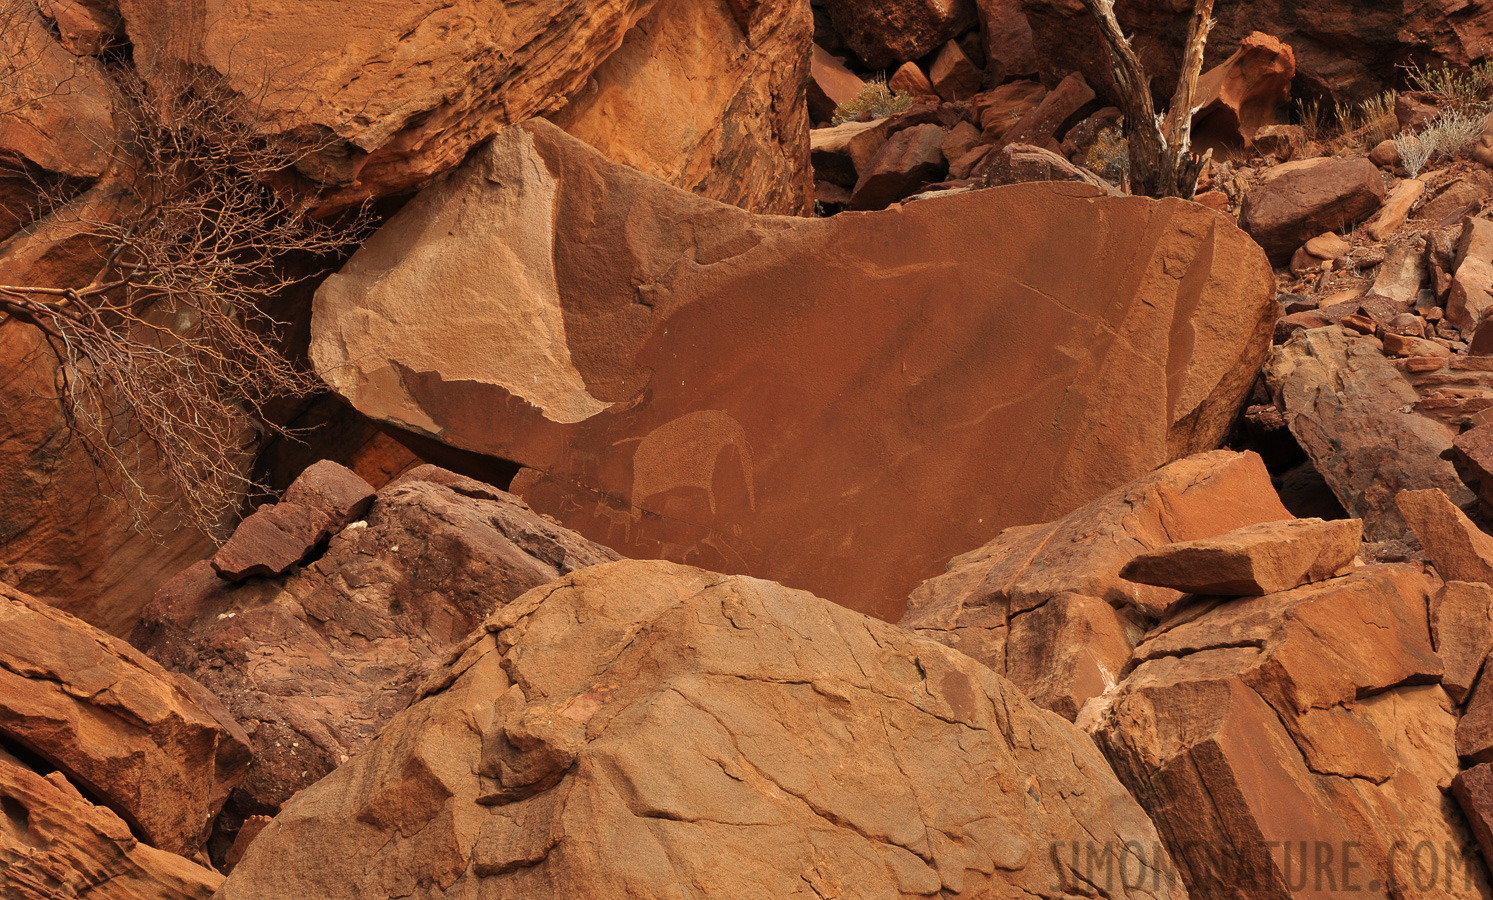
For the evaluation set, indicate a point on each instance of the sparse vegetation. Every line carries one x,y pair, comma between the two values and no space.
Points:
1451,133
1109,158
1468,91
875,101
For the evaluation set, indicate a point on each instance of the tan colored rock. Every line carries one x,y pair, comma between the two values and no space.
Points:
116,724
1462,627
1402,198
780,440
1344,403
1472,280
1078,649
709,96
953,76
1283,142
1458,548
1243,94
86,27
1385,155
1327,246
909,79
735,736
1300,716
54,842
1256,559
888,33
316,663
830,84
1401,274
1308,197
833,151
1474,791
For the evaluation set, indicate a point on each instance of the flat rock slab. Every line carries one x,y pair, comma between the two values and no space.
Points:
839,404
1255,559
638,726
1462,626
1458,549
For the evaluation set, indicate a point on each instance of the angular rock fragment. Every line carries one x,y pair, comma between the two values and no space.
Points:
280,536
954,77
1299,200
536,304
1060,109
1458,549
733,735
908,160
1255,559
115,724
830,84
1473,789
1462,627
1472,281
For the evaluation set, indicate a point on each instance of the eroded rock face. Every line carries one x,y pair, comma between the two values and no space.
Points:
1310,715
55,843
543,300
1045,606
731,734
315,663
709,97
885,34
1256,559
116,724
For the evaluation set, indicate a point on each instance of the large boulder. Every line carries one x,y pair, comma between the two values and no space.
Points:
640,726
683,379
54,842
1242,94
709,97
1046,606
885,34
315,663
158,750
1298,201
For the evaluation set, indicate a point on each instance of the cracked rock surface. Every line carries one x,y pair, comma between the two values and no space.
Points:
643,729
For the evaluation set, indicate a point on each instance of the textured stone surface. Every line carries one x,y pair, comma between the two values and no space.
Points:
1308,715
280,536
1255,559
1472,282
1300,200
1462,627
1458,549
55,843
734,736
1243,94
731,420
316,663
895,31
910,159
709,96
115,723
1346,405
830,84
69,128
993,603
1474,792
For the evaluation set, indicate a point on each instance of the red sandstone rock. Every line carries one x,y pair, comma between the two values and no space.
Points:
1475,448
909,159
1257,559
895,31
985,604
1000,109
1009,48
1061,108
954,77
1472,280
316,663
1242,94
909,79
789,744
1022,163
830,84
1458,548
1300,200
115,724
1462,627
1474,792
792,465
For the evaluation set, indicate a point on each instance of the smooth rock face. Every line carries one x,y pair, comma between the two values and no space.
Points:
69,129
830,84
1255,559
896,31
56,843
543,301
115,723
731,734
1458,549
316,663
1309,715
710,97
1346,406
1305,198
1045,605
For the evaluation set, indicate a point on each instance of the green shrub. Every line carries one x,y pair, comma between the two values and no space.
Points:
875,101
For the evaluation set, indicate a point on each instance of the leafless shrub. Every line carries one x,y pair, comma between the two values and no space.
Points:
1451,133
166,356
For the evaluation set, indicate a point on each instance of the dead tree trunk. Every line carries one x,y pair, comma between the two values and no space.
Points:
1161,160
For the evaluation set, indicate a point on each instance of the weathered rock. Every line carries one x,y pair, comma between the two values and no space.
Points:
277,537
1408,345
825,456
954,77
1462,627
1256,559
909,79
1078,649
85,27
830,84
706,95
1474,792
1000,109
1060,108
1414,110
1302,199
840,152
316,663
1402,198
1472,281
885,34
1401,274
734,735
1009,48
1458,549
54,843
1346,406
1023,163
1474,448
1284,142
1385,155
908,160
339,493
69,128
1242,94
1482,151
115,723
1306,716
960,140
1453,202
